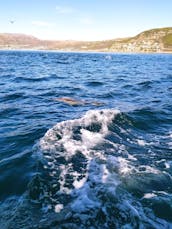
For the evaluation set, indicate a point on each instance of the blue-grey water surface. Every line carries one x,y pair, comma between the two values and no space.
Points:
104,163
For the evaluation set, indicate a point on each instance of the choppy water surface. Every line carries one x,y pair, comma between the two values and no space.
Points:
106,163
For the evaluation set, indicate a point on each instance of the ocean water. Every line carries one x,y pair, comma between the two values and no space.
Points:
102,162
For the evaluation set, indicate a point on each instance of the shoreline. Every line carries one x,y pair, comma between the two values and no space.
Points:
80,51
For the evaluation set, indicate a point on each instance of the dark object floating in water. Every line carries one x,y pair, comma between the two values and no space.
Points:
74,102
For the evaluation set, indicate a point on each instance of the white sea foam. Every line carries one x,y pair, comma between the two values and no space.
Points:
168,164
141,142
58,207
88,140
61,141
78,184
99,174
149,195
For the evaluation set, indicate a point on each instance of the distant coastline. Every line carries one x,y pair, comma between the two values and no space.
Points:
150,41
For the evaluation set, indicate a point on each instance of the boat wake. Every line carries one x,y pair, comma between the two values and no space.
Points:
95,178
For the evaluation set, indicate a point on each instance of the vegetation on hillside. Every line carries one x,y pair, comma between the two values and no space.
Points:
167,40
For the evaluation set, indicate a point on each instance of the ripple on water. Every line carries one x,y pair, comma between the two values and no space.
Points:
106,169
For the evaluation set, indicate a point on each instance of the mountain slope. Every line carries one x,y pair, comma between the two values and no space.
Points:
155,40
18,40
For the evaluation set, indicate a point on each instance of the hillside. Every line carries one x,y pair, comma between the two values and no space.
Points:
155,40
9,40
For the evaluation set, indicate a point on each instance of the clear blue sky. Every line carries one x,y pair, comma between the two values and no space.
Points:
83,19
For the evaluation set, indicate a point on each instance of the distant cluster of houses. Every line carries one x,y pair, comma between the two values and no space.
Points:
142,43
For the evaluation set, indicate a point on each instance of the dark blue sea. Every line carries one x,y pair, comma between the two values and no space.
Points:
85,140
